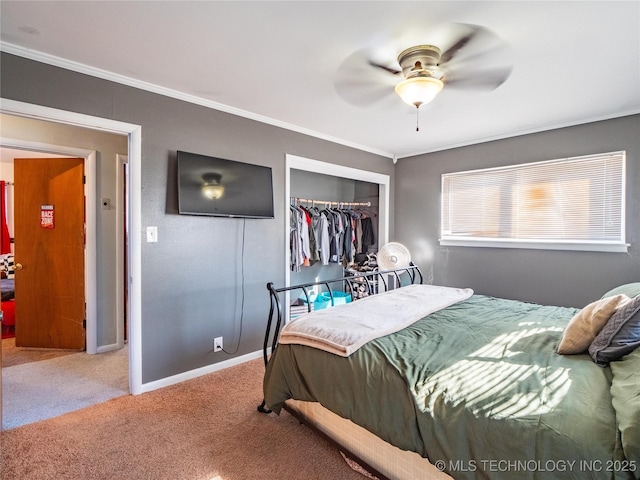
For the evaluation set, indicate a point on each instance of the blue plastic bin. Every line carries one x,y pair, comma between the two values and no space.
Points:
323,300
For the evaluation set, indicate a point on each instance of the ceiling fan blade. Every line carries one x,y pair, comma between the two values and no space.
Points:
363,82
362,93
391,70
478,44
478,60
453,50
482,80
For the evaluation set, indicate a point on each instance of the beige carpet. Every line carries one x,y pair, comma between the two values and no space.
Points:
38,390
12,355
203,429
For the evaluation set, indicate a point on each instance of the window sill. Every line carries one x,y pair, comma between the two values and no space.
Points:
609,247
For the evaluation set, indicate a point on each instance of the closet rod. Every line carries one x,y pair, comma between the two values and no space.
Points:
330,202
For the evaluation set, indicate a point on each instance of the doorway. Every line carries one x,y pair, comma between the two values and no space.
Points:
42,330
134,135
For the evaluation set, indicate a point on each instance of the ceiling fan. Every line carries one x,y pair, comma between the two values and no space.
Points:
474,60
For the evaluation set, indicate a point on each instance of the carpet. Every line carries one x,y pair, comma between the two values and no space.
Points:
39,390
12,355
202,429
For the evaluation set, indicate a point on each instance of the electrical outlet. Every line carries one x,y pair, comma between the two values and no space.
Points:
217,344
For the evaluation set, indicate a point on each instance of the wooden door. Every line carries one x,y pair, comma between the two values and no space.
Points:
49,246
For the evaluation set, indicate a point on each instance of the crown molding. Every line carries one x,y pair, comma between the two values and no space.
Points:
518,133
168,92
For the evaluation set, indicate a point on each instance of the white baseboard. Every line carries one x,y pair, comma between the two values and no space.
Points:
107,348
165,382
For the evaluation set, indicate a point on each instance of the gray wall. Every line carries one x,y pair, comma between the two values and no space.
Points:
192,278
543,276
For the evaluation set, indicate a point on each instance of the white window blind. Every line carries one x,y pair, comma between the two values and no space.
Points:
574,203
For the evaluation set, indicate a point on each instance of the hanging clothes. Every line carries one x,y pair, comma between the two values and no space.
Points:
321,233
298,239
368,237
294,241
314,255
347,239
329,236
332,229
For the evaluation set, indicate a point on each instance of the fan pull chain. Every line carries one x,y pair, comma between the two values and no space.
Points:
417,118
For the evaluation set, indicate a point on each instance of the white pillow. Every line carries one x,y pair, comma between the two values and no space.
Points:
583,328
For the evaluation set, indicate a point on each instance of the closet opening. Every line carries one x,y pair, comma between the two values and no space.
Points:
324,186
336,227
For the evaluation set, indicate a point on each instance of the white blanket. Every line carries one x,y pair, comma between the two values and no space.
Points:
345,328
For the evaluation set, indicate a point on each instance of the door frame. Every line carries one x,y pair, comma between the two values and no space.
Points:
134,214
90,252
121,232
316,166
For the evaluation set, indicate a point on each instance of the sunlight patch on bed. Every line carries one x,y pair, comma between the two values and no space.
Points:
499,380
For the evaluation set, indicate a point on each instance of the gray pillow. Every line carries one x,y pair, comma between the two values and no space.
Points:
620,335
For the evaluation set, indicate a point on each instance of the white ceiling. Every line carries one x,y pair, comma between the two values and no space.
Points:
573,62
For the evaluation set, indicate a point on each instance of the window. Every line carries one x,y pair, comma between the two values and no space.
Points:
569,204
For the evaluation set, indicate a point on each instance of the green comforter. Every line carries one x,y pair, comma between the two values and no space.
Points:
479,389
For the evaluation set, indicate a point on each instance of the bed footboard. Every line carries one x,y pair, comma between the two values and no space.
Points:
374,281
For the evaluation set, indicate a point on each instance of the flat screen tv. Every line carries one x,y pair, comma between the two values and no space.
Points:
223,188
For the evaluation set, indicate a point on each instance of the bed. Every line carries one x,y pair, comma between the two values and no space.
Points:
475,389
8,289
7,269
8,307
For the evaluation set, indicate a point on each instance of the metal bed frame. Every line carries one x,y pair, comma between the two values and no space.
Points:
375,281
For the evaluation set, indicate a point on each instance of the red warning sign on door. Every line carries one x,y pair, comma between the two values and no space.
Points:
46,216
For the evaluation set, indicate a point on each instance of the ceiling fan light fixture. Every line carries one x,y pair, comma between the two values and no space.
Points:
419,90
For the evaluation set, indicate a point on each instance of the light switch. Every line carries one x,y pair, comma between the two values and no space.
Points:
152,234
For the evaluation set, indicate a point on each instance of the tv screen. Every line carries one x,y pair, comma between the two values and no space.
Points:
223,188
